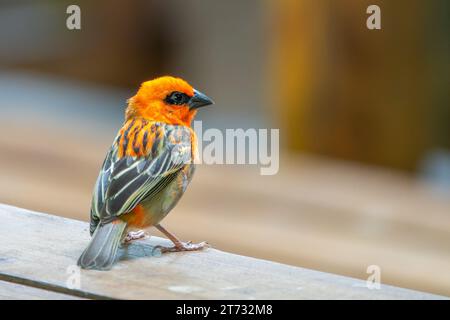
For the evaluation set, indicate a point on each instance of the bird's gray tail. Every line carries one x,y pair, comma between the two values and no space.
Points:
101,251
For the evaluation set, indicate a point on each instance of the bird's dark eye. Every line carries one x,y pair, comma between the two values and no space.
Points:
177,98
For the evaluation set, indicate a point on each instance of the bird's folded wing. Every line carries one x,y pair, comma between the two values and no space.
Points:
125,180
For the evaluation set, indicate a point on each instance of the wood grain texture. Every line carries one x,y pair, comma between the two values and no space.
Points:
37,250
14,291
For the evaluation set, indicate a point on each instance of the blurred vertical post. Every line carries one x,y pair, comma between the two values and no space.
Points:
346,91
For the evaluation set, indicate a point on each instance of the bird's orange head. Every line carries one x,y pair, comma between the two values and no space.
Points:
166,99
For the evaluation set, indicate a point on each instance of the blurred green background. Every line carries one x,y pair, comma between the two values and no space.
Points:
363,117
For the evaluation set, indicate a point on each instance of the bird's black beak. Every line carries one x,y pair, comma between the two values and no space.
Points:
199,100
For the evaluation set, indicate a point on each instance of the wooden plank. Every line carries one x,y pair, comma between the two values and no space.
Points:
37,250
343,216
14,291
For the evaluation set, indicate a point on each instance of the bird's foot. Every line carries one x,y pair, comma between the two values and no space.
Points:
188,246
135,235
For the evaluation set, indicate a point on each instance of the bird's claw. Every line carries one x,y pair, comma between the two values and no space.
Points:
188,246
135,235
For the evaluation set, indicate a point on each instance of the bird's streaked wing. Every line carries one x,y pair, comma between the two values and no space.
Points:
142,160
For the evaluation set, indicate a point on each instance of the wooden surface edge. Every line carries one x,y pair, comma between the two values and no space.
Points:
23,280
14,291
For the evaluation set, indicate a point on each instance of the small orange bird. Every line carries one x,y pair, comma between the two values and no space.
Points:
146,170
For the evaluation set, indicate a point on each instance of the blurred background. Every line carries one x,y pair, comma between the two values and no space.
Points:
363,115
